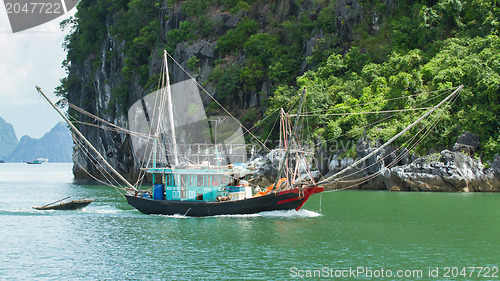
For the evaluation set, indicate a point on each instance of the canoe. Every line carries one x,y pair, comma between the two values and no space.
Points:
71,205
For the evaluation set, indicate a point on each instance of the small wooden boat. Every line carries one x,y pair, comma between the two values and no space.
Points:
70,205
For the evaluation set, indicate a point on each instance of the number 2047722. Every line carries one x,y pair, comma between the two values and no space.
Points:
471,271
33,8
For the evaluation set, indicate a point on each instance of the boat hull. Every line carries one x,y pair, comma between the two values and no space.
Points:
285,200
73,205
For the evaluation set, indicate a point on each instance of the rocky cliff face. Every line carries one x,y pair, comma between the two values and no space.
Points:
455,170
446,171
92,92
95,79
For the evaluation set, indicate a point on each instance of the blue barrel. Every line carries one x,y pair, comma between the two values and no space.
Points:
159,192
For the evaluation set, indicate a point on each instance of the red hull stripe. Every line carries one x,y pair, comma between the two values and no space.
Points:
307,193
289,200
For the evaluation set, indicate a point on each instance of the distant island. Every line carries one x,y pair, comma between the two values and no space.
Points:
8,140
56,145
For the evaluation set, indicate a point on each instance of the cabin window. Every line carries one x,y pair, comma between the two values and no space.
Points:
215,180
183,181
170,178
200,180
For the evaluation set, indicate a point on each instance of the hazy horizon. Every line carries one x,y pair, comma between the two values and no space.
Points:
30,58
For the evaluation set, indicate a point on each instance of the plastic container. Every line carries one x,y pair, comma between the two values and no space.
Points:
159,192
248,192
237,195
239,188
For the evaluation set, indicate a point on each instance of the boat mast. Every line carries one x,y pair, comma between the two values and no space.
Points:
290,138
170,111
86,141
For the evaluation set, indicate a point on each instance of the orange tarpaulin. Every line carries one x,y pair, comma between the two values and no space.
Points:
280,182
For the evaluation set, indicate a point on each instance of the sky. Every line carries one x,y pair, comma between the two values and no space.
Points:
30,58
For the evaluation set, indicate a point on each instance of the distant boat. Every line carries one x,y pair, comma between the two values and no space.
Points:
71,205
38,161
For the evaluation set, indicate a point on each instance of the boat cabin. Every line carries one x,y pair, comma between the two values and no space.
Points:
200,184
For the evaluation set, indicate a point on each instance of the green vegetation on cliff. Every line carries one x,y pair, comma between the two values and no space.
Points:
345,55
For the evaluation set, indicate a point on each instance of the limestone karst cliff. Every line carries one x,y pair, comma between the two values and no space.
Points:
254,55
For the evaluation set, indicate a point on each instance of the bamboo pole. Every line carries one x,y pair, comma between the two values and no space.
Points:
86,141
56,201
329,179
289,141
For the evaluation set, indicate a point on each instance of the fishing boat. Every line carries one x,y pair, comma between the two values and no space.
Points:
198,164
198,169
69,205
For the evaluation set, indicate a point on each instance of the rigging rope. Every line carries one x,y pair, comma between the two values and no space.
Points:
220,105
99,167
391,99
365,112
401,155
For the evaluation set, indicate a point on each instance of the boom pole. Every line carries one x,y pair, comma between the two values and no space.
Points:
329,179
86,141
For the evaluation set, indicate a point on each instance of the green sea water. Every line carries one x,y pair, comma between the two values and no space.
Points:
421,236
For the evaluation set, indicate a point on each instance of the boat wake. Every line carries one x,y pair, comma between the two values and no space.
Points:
21,212
176,216
278,214
102,211
87,210
291,214
270,214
